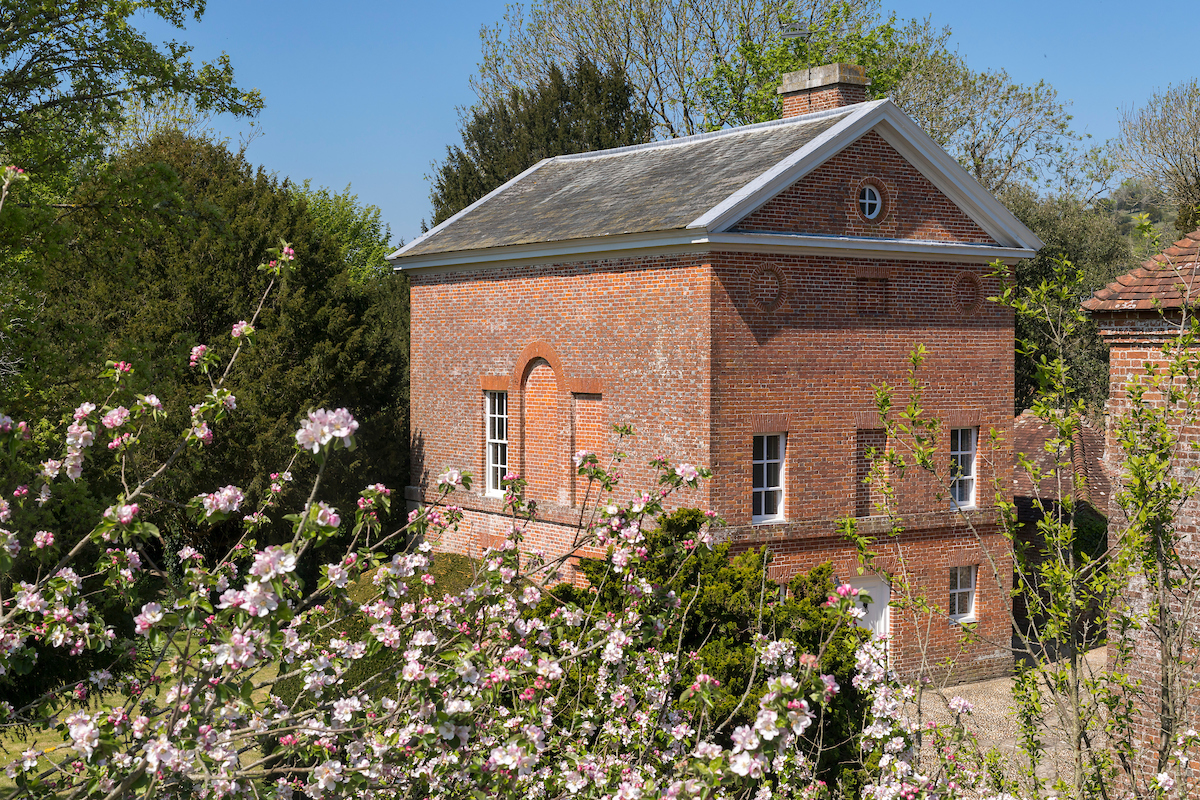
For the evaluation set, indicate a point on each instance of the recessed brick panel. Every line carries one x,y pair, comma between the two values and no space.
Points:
543,453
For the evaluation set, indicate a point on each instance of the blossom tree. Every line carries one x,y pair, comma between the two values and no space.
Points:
484,695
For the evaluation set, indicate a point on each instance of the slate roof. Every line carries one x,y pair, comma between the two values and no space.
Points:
1165,281
656,187
1030,435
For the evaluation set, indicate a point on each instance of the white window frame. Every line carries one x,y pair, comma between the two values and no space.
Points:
870,201
763,489
495,434
962,593
964,449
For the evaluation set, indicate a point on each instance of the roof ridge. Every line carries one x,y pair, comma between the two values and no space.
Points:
803,119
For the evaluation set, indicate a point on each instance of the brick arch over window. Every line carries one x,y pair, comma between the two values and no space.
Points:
543,386
532,352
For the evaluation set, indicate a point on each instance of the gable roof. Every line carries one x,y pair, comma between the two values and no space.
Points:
1030,435
1169,280
691,191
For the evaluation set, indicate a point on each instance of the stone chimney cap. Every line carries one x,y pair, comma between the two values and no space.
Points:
826,75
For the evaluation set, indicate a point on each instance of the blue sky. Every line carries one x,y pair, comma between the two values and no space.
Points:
366,92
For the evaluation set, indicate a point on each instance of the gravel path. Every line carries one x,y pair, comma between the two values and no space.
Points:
995,726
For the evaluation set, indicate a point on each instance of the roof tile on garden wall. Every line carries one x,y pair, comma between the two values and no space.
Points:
1169,280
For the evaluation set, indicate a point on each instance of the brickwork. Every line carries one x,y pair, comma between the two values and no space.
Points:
473,331
814,360
822,99
868,494
936,647
700,352
1135,340
543,461
826,200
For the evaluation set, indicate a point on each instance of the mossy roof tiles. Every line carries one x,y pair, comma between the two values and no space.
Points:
658,187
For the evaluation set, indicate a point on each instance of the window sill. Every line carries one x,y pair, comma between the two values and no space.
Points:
768,521
496,493
964,620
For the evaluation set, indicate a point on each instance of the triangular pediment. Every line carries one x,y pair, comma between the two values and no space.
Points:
814,191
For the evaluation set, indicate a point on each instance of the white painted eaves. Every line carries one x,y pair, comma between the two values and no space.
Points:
686,241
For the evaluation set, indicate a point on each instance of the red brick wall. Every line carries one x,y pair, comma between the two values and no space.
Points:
699,353
1135,340
826,200
823,98
544,454
922,644
808,366
475,329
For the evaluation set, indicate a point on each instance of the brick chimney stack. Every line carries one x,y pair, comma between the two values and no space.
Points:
822,88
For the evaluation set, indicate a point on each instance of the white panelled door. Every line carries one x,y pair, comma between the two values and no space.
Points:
877,618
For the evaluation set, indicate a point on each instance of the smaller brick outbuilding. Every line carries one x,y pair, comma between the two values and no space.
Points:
734,296
1138,315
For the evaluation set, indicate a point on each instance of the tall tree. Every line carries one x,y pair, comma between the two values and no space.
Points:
668,48
705,64
364,238
66,67
1160,142
176,267
586,109
1087,235
742,89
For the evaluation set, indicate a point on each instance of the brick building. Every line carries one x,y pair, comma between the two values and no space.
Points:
733,296
1136,316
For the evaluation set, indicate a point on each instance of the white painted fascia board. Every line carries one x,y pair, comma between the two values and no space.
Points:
650,243
856,247
789,170
595,246
451,220
932,161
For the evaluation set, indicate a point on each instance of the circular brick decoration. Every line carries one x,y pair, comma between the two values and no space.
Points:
967,293
767,287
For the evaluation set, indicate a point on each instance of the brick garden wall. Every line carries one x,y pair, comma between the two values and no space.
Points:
1135,339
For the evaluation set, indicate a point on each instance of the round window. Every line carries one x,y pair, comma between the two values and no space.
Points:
869,202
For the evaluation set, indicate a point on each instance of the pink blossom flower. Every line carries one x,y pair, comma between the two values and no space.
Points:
323,426
202,432
241,329
223,501
43,539
327,517
123,367
120,441
80,436
337,574
151,613
960,706
83,411
450,477
150,401
687,472
198,353
123,514
273,562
